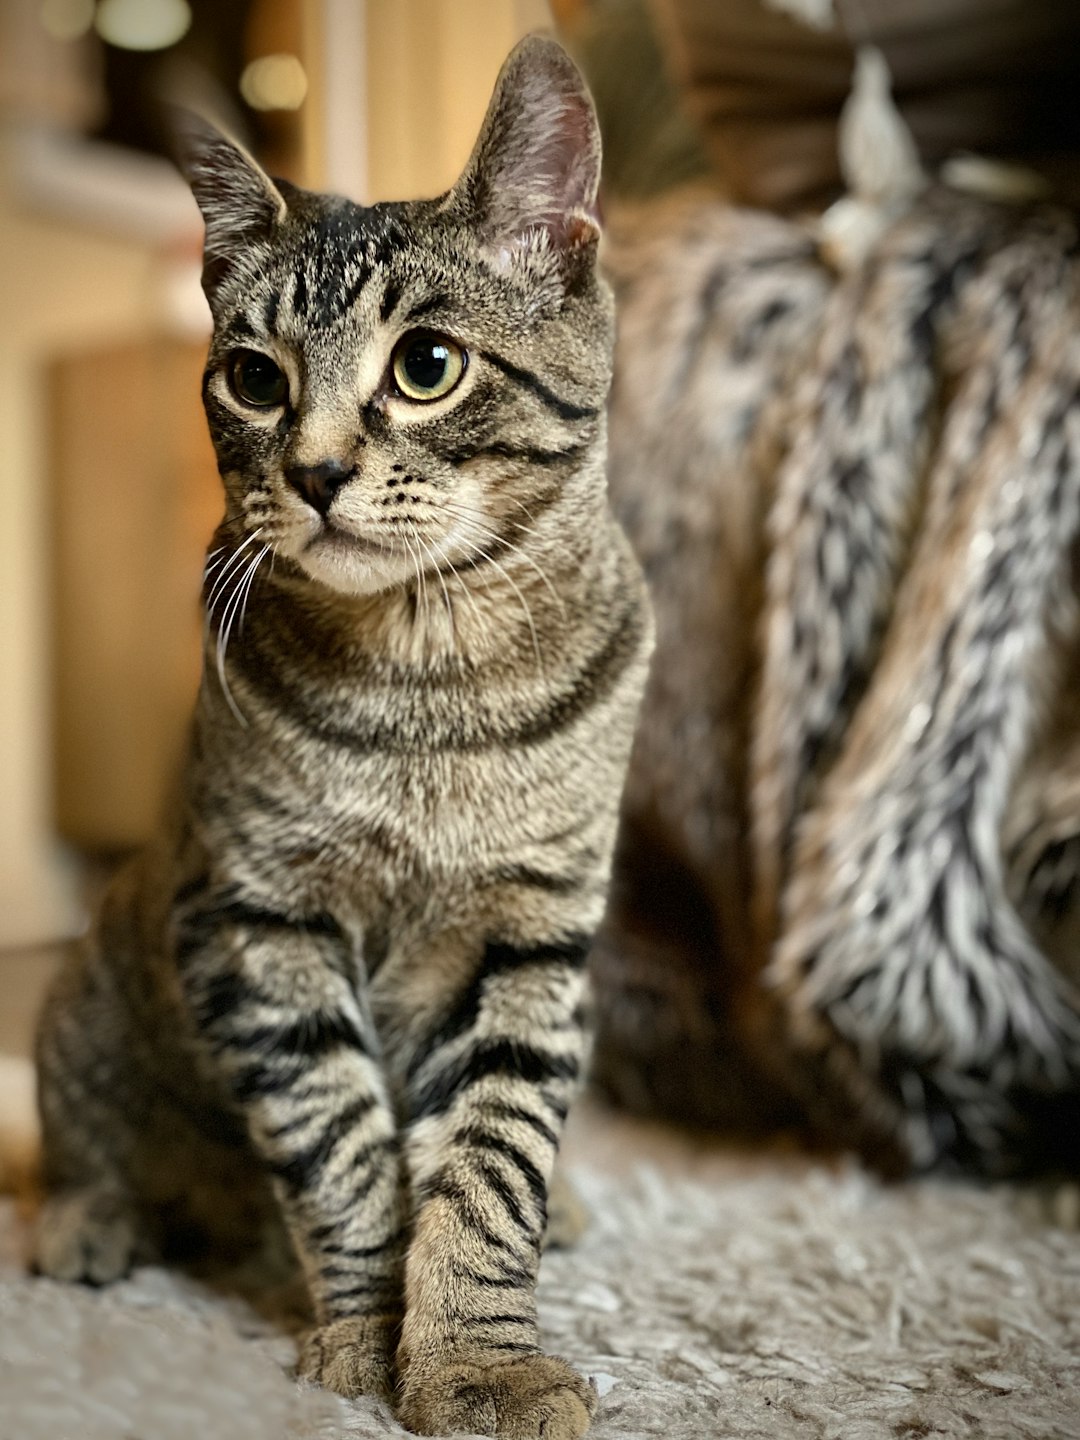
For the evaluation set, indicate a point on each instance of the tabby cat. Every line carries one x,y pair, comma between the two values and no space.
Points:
347,981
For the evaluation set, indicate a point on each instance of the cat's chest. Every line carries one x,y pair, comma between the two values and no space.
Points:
351,827
366,798
449,814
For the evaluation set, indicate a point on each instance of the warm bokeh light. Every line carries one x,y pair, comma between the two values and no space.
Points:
66,19
143,24
274,82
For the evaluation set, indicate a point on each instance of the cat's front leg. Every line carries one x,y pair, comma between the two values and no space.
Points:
487,1094
272,999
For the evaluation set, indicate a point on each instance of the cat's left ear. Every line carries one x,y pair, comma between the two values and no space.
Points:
535,169
239,202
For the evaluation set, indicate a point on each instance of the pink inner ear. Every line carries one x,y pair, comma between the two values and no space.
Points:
536,166
562,179
545,169
577,149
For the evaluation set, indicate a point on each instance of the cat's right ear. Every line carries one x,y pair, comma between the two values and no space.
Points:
240,204
533,176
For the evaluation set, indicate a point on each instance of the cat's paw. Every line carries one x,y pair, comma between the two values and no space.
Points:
89,1236
352,1357
514,1397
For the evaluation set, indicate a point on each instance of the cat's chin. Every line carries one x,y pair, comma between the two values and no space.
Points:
351,565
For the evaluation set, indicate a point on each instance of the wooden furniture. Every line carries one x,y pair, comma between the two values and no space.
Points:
135,498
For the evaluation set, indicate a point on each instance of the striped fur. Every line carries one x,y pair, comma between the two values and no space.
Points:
346,985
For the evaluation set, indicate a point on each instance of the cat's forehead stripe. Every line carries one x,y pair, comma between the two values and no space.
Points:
240,328
299,299
438,301
390,300
341,253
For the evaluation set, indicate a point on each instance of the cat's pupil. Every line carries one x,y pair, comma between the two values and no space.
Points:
425,363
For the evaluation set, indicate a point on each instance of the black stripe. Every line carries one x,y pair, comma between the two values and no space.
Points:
497,959
446,1189
270,314
260,1079
390,300
284,688
476,1322
300,1170
510,1281
196,931
239,328
485,1140
358,1283
538,879
223,994
300,295
492,1057
349,1116
500,1186
309,1036
531,455
290,1127
565,409
363,1252
340,304
592,683
438,301
500,956
382,1287
521,1116
239,912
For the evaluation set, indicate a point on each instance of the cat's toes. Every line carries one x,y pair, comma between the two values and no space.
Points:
352,1357
89,1236
519,1397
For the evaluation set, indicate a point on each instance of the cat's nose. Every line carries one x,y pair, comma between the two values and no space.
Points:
318,484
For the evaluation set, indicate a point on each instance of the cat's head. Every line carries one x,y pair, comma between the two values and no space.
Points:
405,384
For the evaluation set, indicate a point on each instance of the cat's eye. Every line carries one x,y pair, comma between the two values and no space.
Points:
257,380
427,366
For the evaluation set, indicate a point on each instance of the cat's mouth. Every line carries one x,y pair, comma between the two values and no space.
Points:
353,564
332,537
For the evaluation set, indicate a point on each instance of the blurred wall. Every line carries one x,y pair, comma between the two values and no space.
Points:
60,288
430,69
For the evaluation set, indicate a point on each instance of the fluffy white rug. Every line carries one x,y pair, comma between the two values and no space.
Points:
714,1295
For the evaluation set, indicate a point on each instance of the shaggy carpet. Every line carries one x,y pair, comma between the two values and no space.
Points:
715,1294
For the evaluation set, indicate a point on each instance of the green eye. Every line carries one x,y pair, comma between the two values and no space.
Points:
257,380
427,366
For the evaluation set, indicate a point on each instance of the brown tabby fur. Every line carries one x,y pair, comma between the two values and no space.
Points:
346,982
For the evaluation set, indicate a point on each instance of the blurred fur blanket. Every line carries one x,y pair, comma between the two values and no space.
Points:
848,879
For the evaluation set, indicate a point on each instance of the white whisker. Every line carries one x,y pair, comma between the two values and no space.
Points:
426,550
250,584
230,567
521,598
472,516
418,569
441,558
225,629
